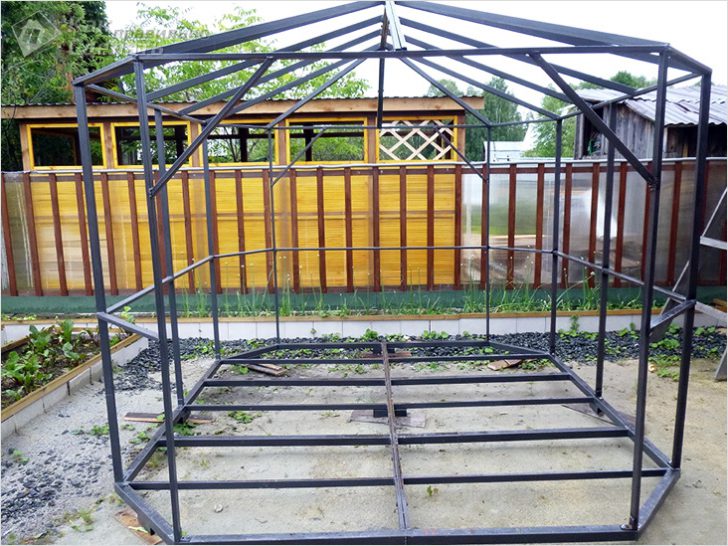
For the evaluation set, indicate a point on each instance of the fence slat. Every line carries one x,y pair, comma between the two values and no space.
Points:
109,229
189,248
430,227
645,226
215,228
375,230
321,228
566,244
618,249
32,236
240,207
674,223
10,260
58,233
134,224
349,231
539,225
403,228
80,207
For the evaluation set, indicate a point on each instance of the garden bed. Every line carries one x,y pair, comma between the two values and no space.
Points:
50,364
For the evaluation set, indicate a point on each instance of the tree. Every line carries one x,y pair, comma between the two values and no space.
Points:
545,133
78,42
158,26
450,85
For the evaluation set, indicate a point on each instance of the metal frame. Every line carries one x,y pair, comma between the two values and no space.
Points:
394,45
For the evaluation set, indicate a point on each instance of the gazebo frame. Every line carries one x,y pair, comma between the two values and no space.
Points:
394,45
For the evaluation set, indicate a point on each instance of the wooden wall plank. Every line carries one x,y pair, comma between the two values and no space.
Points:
109,229
134,225
81,209
189,246
32,236
58,234
321,228
537,260
349,231
510,264
240,208
7,240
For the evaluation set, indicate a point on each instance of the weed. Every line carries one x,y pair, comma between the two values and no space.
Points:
81,521
244,417
19,457
537,364
100,430
431,491
185,429
126,315
140,438
431,334
240,369
370,335
127,426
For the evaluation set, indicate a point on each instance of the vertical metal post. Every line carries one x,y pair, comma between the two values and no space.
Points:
211,251
271,193
98,275
486,228
606,249
167,232
555,236
648,292
158,296
693,269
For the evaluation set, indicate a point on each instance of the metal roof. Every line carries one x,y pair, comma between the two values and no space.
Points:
682,106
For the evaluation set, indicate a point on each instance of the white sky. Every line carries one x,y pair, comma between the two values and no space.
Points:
697,28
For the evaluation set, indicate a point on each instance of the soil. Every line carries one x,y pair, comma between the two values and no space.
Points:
57,484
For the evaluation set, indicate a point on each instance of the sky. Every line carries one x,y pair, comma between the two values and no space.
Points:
697,28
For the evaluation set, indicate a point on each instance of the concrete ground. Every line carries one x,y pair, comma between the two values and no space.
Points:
693,513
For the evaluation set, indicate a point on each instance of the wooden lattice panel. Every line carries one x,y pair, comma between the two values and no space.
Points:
410,140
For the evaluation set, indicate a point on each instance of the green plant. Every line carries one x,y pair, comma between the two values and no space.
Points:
185,429
431,491
244,417
81,521
370,335
66,329
240,369
100,430
19,457
431,334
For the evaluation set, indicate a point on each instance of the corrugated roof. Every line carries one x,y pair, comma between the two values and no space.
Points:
682,108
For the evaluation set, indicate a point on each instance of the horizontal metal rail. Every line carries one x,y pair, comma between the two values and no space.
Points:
128,326
669,316
378,360
397,405
408,480
404,439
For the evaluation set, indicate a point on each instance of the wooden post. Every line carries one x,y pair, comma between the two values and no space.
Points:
268,234
674,222
215,234
134,224
88,287
58,234
32,237
376,240
458,225
403,227
12,281
189,247
109,228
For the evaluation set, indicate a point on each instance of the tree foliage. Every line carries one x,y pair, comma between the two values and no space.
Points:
157,26
495,109
81,43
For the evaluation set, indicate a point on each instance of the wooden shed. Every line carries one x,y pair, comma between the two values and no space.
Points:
636,118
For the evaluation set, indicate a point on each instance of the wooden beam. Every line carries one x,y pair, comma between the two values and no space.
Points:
240,204
321,228
189,247
458,226
109,229
349,231
134,225
215,227
376,241
674,223
267,218
403,227
430,227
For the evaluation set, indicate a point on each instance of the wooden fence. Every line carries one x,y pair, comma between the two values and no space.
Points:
45,233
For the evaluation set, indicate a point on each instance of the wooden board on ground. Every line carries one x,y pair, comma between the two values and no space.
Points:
154,418
268,369
719,304
128,519
502,364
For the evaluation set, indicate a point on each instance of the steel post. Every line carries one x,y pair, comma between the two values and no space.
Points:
211,250
555,237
